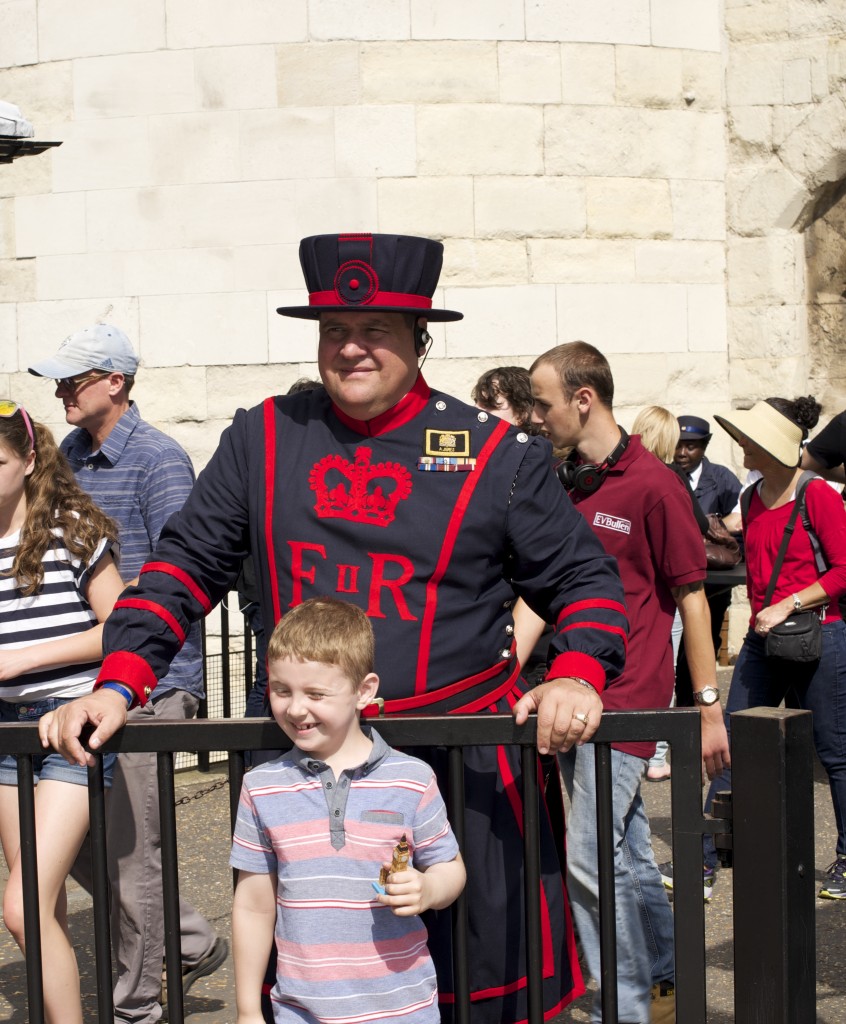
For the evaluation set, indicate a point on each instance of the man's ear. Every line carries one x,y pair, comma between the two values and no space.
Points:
584,398
367,690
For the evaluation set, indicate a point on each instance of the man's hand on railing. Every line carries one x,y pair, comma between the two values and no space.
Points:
568,712
61,729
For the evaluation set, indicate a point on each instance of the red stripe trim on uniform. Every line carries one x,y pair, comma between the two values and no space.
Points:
196,591
575,663
130,670
605,626
398,415
599,602
269,488
450,537
157,610
493,697
334,298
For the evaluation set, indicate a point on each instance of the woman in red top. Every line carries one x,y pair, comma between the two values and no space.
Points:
771,434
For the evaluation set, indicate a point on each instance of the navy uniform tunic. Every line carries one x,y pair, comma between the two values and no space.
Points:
431,517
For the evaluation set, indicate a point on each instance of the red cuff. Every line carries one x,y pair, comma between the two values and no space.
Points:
130,670
574,663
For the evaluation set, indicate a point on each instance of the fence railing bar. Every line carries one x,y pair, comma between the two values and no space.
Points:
532,882
170,888
460,966
100,886
29,879
607,898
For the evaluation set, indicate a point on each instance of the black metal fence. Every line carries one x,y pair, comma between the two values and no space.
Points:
771,810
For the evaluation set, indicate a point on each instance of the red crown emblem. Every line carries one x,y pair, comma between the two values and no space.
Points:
359,491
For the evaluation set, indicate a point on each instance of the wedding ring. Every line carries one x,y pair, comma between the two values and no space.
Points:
581,717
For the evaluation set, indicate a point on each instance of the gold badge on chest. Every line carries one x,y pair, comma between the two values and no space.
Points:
446,451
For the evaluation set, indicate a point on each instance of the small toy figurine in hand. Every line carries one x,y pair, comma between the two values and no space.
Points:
400,860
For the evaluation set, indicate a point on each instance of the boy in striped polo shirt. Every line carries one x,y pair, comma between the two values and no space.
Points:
314,829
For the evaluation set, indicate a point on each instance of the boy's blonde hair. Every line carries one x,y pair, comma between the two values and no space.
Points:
659,431
327,630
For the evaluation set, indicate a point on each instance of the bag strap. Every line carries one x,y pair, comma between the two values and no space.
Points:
782,551
819,557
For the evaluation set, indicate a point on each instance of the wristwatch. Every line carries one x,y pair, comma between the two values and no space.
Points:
797,604
707,696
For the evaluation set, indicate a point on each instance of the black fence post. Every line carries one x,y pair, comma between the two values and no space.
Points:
773,836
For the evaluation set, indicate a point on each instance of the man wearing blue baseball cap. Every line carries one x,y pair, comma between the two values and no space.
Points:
432,516
140,477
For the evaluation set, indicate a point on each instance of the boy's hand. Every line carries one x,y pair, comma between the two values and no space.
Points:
405,892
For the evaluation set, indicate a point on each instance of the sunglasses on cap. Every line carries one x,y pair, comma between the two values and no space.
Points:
8,408
73,384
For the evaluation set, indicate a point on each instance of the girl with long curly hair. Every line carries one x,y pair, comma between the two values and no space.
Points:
58,583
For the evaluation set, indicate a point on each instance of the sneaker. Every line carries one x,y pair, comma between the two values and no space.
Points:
834,887
662,1008
707,879
193,972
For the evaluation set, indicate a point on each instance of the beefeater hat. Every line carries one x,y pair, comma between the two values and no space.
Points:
371,273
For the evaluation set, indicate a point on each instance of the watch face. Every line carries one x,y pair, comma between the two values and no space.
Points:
707,696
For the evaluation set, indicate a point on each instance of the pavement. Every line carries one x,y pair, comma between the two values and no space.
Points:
206,881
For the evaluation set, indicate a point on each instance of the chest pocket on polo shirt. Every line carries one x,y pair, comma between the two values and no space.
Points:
383,817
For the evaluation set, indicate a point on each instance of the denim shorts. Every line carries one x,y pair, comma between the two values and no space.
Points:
52,767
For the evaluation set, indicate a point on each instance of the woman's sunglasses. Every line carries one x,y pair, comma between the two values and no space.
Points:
8,408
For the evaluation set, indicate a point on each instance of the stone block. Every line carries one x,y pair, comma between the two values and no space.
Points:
751,131
188,149
479,262
179,271
50,224
529,72
318,74
236,77
79,276
166,394
435,207
429,72
375,141
764,332
764,198
471,19
188,216
200,440
134,84
359,19
588,74
680,262
628,207
699,209
267,267
241,387
457,377
766,270
702,78
631,142
44,91
290,340
7,229
498,322
636,318
204,330
88,28
8,337
584,260
195,23
754,379
29,177
639,379
706,318
324,203
43,326
287,143
612,21
484,139
108,153
19,38
36,394
753,76
754,22
689,24
17,281
649,76
796,77
533,206
815,151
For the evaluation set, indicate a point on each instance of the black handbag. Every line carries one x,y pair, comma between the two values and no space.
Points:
799,637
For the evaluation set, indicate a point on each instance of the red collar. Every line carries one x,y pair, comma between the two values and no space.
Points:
397,416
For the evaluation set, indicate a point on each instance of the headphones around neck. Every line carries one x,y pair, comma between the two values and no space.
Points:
587,477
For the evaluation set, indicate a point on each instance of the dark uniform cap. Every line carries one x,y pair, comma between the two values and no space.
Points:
385,273
693,428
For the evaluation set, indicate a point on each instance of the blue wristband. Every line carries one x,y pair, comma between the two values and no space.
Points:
124,691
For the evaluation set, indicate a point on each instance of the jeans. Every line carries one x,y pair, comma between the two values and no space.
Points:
644,918
819,687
